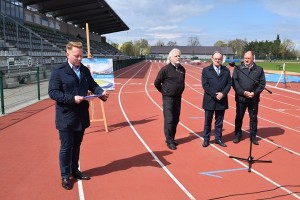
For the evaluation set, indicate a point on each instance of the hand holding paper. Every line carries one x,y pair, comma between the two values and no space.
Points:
104,96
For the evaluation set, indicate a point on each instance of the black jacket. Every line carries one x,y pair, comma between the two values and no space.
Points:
252,80
212,83
170,81
64,85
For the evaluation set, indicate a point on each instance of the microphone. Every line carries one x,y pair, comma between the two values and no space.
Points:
232,64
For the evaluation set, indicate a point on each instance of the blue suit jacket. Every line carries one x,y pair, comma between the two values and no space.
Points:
212,83
64,85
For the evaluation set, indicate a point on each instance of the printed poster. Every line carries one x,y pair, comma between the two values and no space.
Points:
102,71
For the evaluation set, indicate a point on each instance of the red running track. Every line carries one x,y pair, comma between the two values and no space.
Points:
131,161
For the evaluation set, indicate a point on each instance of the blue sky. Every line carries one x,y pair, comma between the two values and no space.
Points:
209,20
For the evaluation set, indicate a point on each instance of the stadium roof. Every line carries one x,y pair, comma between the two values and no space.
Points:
97,13
197,50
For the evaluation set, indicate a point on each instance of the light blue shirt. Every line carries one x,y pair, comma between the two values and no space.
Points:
75,69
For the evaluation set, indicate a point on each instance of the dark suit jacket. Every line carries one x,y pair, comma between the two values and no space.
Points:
244,80
212,83
64,85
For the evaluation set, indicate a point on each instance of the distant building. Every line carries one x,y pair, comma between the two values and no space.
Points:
189,52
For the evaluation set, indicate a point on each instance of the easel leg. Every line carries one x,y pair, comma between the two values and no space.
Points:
92,111
104,116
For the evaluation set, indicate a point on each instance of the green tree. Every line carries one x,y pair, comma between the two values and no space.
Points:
127,48
141,47
116,45
276,47
238,46
220,43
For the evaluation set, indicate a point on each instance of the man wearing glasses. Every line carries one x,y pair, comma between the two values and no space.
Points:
216,82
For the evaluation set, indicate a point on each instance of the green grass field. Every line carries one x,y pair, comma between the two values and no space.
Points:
289,66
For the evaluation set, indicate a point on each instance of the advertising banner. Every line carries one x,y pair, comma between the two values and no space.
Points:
102,71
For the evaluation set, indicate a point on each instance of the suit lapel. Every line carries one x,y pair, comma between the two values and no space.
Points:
69,70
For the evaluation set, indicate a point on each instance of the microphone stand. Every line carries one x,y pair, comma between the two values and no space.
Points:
250,158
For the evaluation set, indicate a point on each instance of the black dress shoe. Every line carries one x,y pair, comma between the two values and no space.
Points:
176,144
254,141
66,183
77,174
237,139
172,146
219,142
205,144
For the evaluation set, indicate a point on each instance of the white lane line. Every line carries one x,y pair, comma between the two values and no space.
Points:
287,149
79,183
257,116
80,187
190,196
291,91
225,153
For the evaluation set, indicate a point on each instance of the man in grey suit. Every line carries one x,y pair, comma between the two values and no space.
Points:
216,82
68,85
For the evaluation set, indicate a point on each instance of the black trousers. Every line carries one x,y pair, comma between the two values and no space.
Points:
70,142
219,117
171,110
240,112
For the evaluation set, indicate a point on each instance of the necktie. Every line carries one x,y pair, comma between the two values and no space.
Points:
77,71
218,71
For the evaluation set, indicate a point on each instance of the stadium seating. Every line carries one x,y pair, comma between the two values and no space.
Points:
24,47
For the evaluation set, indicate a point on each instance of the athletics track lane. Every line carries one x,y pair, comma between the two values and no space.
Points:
121,165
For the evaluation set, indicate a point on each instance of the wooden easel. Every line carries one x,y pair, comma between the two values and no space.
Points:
92,103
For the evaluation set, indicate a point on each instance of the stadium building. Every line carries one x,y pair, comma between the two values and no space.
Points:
190,52
33,34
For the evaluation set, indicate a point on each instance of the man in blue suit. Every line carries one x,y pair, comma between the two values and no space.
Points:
68,85
216,82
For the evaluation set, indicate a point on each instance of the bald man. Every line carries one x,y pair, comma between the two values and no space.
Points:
248,82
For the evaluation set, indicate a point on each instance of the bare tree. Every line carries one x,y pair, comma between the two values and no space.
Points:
287,47
160,43
172,43
193,41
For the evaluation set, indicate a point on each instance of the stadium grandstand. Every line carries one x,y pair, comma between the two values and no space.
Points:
33,35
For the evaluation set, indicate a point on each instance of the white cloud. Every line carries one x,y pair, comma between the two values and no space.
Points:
145,13
166,36
209,20
286,8
163,28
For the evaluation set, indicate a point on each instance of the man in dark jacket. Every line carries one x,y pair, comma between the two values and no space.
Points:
216,82
170,82
68,85
248,81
